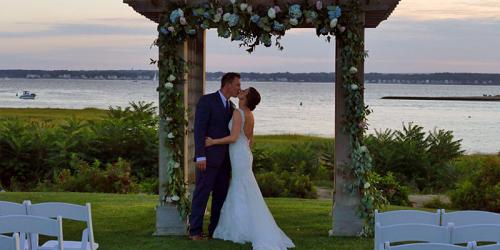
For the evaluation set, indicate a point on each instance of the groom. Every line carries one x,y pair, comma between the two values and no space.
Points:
213,113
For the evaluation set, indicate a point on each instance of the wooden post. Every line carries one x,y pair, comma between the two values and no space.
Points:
196,88
345,220
168,220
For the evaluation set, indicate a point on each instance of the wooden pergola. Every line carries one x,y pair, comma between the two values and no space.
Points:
345,220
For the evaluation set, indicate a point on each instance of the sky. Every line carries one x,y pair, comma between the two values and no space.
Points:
421,36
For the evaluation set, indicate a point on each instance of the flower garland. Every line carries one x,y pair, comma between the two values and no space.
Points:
353,56
239,21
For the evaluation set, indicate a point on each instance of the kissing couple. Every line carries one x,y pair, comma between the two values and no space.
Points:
223,137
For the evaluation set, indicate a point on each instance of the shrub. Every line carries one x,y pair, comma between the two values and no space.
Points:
85,177
480,189
437,203
391,189
415,158
285,185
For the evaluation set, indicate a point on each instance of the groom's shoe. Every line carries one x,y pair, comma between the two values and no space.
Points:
196,237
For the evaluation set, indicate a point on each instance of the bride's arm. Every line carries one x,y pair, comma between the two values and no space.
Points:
248,129
235,132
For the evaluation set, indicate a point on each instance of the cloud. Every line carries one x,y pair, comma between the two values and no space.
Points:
424,10
78,29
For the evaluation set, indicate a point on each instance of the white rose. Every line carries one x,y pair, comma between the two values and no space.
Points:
353,70
363,149
233,1
330,232
271,13
168,119
294,21
217,17
176,165
226,16
168,85
367,185
171,29
333,23
182,20
341,29
170,135
171,78
354,87
249,9
175,198
243,6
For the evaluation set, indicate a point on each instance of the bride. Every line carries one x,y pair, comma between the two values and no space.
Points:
244,216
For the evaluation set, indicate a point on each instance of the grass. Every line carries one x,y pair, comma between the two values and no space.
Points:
128,222
277,140
51,114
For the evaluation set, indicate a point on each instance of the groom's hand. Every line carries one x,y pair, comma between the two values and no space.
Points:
201,165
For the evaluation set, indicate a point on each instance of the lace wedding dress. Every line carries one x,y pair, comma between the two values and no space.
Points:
245,216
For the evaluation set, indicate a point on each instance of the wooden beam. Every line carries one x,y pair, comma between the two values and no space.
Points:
376,10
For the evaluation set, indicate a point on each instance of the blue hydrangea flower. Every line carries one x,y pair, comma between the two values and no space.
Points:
278,26
323,31
331,14
164,31
226,34
233,20
338,12
206,15
175,15
255,18
295,11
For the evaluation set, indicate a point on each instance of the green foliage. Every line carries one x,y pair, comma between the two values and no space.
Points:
479,188
392,190
422,161
85,177
437,203
298,157
34,150
285,184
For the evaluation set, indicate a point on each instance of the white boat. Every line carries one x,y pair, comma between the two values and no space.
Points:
26,95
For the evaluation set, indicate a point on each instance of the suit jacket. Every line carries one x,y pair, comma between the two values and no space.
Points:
211,120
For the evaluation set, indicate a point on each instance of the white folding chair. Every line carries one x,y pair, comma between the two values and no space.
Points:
411,232
404,217
33,225
476,233
428,246
10,243
12,208
407,217
462,218
71,212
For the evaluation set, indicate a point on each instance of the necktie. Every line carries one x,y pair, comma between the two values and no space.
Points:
228,107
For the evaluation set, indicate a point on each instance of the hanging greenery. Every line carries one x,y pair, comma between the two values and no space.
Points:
251,27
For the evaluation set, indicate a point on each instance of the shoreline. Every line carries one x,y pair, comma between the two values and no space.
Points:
446,98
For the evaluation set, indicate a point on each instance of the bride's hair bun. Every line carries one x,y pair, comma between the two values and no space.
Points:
253,98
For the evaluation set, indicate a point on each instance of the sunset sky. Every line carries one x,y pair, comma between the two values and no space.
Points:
420,36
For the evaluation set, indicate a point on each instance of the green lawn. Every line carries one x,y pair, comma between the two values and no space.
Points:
49,114
128,222
278,140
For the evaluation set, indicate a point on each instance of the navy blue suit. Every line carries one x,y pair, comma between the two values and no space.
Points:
211,120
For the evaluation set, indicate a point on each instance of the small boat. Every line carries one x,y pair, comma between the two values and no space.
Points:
26,95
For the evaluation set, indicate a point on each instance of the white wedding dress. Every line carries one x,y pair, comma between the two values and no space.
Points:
244,216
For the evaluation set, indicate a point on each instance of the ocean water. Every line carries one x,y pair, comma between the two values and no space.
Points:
281,112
